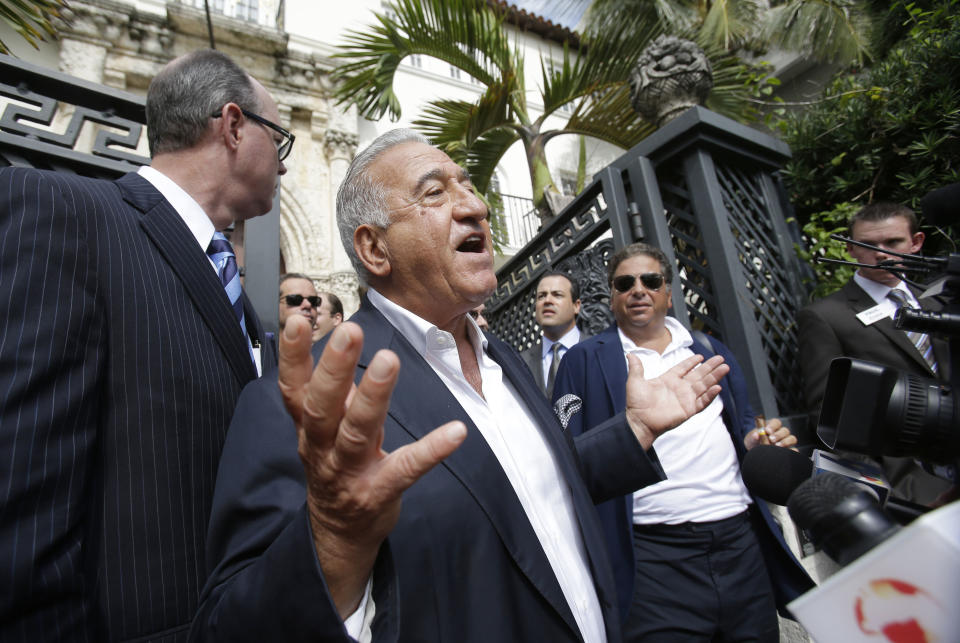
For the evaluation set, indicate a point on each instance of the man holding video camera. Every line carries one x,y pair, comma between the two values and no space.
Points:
857,322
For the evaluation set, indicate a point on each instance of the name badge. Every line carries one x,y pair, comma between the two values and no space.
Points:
258,359
873,315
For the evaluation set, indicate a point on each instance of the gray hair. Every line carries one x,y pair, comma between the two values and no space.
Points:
187,92
361,199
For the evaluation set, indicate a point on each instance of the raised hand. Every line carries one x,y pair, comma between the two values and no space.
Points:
660,404
353,486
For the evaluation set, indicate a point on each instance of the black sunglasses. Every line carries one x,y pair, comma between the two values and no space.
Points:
284,145
296,300
650,281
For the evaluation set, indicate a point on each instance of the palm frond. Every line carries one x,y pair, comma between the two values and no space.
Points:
482,157
456,124
609,116
669,15
827,30
464,33
31,19
731,23
602,60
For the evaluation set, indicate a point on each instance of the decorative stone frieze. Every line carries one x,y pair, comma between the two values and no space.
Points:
340,145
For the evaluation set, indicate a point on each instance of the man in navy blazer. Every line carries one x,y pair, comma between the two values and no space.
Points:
496,538
121,360
702,496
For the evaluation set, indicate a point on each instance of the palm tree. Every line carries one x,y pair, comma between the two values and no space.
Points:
32,19
470,35
823,30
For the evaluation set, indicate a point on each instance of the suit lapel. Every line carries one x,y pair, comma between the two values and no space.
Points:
420,403
611,364
859,301
179,248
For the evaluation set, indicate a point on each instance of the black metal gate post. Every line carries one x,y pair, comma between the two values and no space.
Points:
703,189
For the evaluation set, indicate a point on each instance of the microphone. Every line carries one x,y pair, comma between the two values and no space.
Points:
773,473
565,407
939,206
898,585
839,516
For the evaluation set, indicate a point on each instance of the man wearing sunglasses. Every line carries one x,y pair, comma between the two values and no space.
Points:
695,556
298,296
126,340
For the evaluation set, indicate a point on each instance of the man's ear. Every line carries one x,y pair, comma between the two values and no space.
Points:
229,125
370,246
916,242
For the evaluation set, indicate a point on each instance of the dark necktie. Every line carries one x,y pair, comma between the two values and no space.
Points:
920,340
554,365
221,253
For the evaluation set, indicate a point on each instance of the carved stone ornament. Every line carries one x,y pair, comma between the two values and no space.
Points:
671,76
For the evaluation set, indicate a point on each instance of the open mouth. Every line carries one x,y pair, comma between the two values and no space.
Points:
473,243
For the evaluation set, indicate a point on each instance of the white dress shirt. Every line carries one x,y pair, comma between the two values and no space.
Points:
703,474
522,451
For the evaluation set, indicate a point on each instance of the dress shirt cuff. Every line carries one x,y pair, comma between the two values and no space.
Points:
358,624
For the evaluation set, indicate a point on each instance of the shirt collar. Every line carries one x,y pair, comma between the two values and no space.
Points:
878,292
570,339
189,210
417,330
679,337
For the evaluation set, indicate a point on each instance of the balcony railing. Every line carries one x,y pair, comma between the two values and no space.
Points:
267,13
520,222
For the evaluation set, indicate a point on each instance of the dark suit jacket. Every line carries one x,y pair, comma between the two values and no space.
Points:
829,328
467,565
596,372
120,364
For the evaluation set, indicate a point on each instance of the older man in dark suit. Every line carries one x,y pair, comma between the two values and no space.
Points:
496,540
857,321
126,339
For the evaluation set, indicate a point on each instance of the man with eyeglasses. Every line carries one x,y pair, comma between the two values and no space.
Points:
298,296
126,339
695,556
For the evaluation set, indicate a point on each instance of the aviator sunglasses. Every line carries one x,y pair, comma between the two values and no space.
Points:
296,300
650,281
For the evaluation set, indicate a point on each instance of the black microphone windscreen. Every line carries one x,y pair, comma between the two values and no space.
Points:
941,206
772,472
840,517
817,498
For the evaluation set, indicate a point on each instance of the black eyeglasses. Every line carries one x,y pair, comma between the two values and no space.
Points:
296,300
650,281
284,145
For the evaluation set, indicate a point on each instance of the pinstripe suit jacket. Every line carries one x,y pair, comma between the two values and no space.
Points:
120,364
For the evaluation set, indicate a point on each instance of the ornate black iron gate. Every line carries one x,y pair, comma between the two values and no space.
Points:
704,190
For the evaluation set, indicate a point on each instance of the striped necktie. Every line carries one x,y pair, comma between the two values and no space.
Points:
920,340
221,253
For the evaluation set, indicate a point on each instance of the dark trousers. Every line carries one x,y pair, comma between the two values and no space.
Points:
701,581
